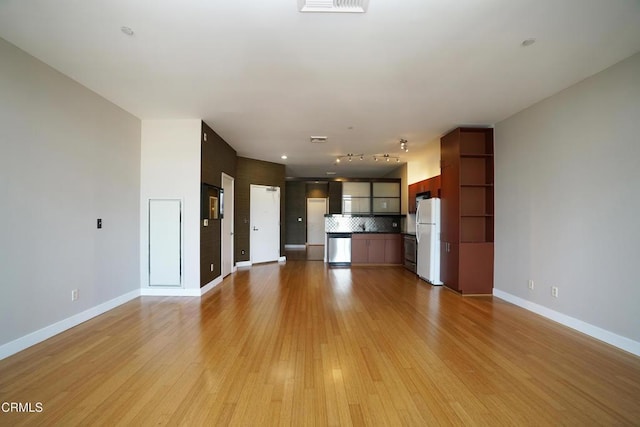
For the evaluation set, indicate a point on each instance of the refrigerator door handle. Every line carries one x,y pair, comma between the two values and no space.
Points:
418,222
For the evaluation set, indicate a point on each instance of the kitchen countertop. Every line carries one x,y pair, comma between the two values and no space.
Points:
367,215
363,232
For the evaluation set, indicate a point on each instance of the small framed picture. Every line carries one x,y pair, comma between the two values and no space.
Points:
221,204
213,207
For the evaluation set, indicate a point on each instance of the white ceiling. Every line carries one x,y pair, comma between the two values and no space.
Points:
266,77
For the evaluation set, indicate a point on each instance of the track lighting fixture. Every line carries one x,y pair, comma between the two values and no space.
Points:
404,146
349,157
376,157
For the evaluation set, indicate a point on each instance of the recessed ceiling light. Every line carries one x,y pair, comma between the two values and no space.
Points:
128,31
528,42
283,157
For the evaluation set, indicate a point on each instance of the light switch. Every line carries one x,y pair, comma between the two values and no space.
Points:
99,222
299,219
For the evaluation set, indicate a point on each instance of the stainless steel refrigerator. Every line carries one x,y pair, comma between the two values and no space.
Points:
428,239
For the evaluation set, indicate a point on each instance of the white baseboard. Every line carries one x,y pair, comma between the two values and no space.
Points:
596,332
212,284
169,292
249,263
47,332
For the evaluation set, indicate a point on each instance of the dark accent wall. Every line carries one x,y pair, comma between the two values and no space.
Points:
216,157
296,232
335,197
258,172
319,191
296,207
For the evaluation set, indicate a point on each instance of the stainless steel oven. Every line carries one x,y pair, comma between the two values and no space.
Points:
410,252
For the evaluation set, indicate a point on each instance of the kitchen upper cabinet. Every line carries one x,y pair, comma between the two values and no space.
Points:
376,248
370,197
431,184
386,197
467,210
356,197
435,185
411,203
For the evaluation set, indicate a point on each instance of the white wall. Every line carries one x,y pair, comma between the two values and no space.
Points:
67,157
425,163
170,169
567,199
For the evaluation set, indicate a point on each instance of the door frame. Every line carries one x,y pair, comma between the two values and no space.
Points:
228,218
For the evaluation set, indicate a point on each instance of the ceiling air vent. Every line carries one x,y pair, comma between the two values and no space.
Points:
318,139
346,6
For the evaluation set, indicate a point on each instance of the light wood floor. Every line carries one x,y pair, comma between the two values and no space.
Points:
299,343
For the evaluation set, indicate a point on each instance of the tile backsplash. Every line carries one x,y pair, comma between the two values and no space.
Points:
361,224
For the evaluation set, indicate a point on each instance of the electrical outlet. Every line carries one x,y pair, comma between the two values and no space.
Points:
74,295
242,252
554,291
531,285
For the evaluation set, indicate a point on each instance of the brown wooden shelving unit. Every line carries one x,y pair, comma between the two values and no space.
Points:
467,210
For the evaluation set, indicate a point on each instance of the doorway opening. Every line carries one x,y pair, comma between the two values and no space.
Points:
228,265
316,236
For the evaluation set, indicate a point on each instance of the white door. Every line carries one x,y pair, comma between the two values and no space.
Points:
165,242
227,225
265,223
316,209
